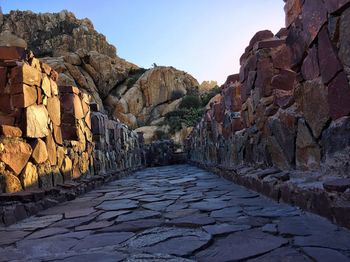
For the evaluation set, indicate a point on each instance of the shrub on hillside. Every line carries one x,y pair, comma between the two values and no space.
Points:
190,101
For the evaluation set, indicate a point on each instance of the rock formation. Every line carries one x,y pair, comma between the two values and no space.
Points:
289,106
83,58
48,133
281,126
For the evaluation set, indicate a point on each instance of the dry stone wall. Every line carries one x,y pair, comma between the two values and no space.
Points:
282,126
52,134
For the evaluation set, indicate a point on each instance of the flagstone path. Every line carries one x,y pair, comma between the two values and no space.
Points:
174,213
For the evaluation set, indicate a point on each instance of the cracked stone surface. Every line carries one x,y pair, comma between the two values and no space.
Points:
174,213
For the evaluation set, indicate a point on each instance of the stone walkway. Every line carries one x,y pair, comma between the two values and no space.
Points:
174,213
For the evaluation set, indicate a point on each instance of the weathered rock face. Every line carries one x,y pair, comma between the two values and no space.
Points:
155,93
55,34
81,56
51,136
289,107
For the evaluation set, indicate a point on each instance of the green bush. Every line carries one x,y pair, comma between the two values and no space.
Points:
190,101
209,95
183,117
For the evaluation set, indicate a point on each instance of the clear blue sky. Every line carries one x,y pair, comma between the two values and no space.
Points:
202,37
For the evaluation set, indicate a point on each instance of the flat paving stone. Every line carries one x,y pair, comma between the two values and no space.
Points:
174,213
283,254
220,229
98,256
325,254
110,215
195,220
34,223
79,212
158,206
103,240
242,245
51,231
118,205
138,215
134,226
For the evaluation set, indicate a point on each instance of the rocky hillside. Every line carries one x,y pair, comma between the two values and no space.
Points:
84,58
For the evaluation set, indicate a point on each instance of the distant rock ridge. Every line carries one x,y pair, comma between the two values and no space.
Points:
54,34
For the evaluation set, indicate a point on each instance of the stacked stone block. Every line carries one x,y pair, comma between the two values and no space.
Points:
47,132
289,106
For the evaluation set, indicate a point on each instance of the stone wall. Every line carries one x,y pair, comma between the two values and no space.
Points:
289,106
51,135
281,126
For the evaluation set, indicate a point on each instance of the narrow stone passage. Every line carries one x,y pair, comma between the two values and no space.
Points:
174,213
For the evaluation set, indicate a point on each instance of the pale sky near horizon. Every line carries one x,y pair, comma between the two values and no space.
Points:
202,37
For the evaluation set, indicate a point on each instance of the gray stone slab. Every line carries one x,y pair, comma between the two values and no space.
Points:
118,205
103,240
241,245
219,229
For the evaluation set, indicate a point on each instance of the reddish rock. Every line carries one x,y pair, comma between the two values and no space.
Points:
282,33
283,98
292,9
232,79
3,79
51,149
26,96
54,109
40,153
310,69
339,185
339,96
315,105
5,104
12,183
249,65
71,103
57,134
69,132
6,119
46,86
37,119
308,152
296,43
249,84
12,53
269,43
328,60
284,80
69,89
334,6
10,131
46,68
25,74
314,17
219,110
259,36
16,155
281,57
264,76
29,177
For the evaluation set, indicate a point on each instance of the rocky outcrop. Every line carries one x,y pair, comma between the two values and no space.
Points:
155,93
81,56
55,34
289,106
50,134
